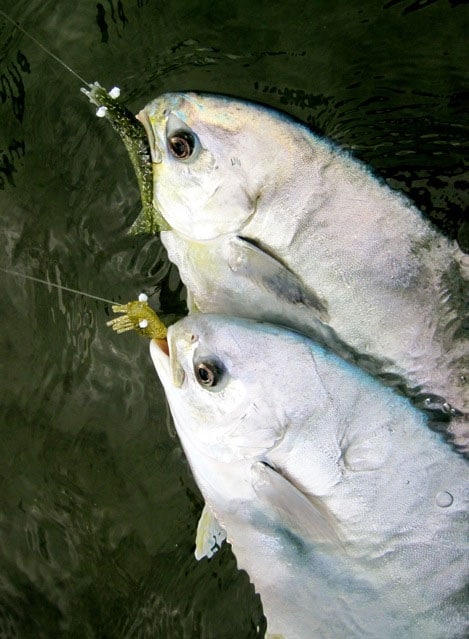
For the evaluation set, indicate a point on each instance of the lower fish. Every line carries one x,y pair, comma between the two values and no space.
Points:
346,510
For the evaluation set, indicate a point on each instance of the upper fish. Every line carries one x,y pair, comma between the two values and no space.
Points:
270,221
348,513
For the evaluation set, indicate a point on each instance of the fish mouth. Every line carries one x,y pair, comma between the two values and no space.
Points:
150,219
166,363
162,344
155,152
159,352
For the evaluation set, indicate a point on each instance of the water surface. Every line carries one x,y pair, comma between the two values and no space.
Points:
98,509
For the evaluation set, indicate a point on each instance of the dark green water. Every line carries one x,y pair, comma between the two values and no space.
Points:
98,510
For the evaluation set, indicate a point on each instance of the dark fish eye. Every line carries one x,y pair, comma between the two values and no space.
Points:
181,145
209,373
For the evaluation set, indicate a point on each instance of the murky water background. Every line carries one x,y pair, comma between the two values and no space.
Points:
98,510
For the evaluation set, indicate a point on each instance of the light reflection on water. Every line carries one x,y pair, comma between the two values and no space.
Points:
97,506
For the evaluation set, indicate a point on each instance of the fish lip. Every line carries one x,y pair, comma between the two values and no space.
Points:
160,357
162,352
162,345
155,152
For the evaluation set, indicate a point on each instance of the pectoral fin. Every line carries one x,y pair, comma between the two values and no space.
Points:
210,535
248,259
306,517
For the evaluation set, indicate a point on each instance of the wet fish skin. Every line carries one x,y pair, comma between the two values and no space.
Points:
346,510
271,222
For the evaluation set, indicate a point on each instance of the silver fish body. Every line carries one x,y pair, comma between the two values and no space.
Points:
346,510
269,221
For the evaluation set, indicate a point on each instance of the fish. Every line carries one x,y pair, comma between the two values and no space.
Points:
270,221
346,510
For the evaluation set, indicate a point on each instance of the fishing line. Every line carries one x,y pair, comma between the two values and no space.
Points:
83,81
59,286
39,44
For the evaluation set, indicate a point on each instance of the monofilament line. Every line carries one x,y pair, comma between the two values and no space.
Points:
39,44
59,286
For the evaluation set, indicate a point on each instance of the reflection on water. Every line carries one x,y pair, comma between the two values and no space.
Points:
98,510
13,93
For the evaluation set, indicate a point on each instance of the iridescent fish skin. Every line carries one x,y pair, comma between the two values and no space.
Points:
272,222
348,513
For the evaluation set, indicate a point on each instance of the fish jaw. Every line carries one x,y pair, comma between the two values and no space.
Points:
172,377
170,373
219,481
214,192
155,150
195,409
161,363
392,500
144,223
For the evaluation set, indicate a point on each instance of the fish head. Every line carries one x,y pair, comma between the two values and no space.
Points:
210,157
227,385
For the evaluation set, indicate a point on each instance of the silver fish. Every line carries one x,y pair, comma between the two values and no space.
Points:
269,221
348,513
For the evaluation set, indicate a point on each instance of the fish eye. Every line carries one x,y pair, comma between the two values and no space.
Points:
181,145
209,373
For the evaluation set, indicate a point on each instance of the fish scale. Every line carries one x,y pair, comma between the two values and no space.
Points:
298,232
347,511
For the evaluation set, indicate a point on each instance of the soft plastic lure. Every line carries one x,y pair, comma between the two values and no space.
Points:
130,130
135,141
138,316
